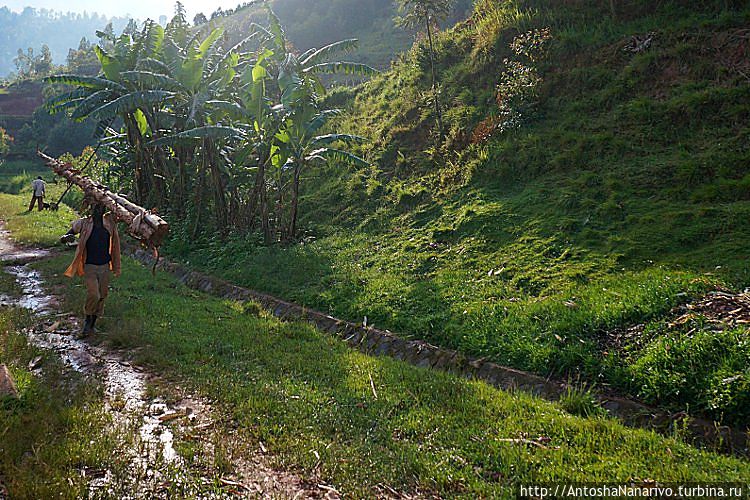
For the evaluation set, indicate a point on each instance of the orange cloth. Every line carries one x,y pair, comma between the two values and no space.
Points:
84,227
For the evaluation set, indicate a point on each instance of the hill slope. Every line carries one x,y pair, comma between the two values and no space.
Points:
614,190
18,103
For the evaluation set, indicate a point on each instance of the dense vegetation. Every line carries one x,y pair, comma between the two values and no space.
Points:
309,24
602,187
373,424
296,389
209,131
365,425
589,178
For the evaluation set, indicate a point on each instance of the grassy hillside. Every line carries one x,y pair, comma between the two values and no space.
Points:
623,193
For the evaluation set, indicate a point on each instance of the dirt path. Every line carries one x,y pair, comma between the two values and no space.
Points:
152,422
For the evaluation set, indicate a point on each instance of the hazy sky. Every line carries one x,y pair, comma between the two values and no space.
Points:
140,9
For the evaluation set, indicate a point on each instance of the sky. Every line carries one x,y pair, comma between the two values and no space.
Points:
140,9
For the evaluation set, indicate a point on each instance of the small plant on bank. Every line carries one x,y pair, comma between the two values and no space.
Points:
580,400
518,90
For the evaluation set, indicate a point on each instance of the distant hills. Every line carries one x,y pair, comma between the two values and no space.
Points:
60,31
309,23
315,23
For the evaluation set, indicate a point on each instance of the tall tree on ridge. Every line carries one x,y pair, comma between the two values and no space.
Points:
417,13
200,18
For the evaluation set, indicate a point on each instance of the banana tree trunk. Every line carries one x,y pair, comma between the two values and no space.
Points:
198,202
149,228
295,204
218,188
255,195
265,221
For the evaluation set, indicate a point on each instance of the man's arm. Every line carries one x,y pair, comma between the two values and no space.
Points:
75,228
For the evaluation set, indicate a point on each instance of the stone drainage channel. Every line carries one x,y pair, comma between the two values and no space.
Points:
124,384
384,343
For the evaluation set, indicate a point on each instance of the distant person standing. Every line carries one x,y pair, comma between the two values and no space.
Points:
38,188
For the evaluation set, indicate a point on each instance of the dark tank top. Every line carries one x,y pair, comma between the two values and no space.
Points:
97,247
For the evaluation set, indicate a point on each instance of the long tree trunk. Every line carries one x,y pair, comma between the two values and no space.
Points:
143,225
436,99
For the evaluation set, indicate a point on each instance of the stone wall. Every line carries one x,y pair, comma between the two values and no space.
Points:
383,343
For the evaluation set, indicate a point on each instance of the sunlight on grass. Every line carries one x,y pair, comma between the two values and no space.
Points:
310,399
34,228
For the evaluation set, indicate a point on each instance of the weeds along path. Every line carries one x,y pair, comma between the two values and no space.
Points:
146,422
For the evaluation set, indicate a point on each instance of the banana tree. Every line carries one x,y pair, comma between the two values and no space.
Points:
114,94
208,129
303,146
284,91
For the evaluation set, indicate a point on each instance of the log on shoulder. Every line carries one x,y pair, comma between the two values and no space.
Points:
143,225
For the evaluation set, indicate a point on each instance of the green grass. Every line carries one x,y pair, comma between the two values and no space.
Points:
425,431
16,177
58,434
698,363
581,401
622,195
8,285
34,228
57,426
533,305
309,399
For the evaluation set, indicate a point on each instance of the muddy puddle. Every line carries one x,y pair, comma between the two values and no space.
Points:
10,252
152,458
124,384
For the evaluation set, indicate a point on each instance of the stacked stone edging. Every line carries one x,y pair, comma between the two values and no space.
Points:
422,354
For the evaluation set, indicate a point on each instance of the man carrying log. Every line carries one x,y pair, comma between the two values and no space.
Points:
97,256
98,251
145,226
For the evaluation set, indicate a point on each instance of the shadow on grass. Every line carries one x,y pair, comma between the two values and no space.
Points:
361,421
